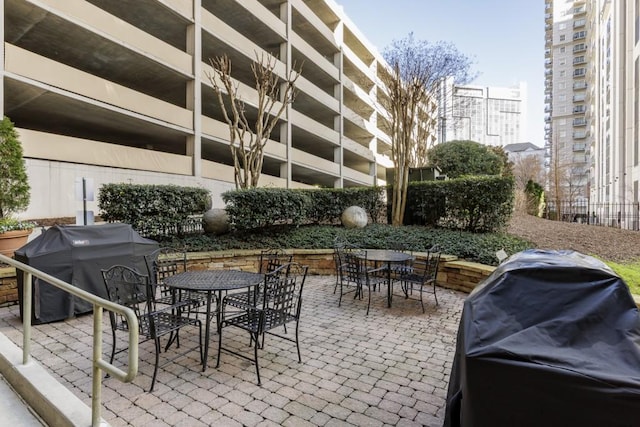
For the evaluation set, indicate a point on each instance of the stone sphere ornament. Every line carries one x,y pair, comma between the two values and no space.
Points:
215,221
354,217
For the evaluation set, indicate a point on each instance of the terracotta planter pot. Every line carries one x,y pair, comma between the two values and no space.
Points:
12,240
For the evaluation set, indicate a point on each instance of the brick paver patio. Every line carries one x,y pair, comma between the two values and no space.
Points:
389,368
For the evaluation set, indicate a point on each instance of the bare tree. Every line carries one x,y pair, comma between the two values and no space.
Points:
565,182
412,83
528,167
247,140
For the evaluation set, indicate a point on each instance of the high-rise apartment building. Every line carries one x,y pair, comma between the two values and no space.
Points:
567,123
614,73
119,91
592,103
488,115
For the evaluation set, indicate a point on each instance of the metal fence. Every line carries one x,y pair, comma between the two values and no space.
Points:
619,215
189,226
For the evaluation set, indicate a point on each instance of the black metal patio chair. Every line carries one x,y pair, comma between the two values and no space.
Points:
269,261
165,262
127,287
420,274
279,305
357,275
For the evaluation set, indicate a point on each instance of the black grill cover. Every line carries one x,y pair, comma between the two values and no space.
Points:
551,338
76,254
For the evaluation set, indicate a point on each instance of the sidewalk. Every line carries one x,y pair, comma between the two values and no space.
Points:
390,368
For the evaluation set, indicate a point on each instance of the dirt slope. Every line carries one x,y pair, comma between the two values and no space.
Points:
606,242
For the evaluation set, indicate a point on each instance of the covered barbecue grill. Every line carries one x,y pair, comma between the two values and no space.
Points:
76,254
551,338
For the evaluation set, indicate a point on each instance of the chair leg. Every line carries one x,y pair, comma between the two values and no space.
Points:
434,292
113,347
219,346
369,302
200,342
155,369
298,342
421,302
255,356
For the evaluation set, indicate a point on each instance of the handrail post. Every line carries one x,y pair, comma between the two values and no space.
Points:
26,316
96,395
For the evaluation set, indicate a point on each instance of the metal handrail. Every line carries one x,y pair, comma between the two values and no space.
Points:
99,304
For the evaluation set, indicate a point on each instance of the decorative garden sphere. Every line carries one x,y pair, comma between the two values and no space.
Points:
215,221
354,217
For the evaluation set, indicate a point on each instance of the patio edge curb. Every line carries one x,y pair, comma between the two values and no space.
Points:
53,402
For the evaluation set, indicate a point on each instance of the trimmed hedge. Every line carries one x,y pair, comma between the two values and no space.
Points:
472,203
152,209
263,207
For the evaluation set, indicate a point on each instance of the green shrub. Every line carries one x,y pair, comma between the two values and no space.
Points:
280,206
479,203
264,207
152,209
472,203
14,183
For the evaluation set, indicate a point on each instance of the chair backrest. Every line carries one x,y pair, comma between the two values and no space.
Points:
165,262
126,286
355,265
272,259
283,299
429,265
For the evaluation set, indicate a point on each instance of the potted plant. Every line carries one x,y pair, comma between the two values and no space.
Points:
14,191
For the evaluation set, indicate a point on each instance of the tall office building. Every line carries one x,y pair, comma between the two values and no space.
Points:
488,115
592,102
119,91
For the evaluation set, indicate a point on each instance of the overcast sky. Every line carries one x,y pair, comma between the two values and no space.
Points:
505,38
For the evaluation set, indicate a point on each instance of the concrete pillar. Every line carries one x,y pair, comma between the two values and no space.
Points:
194,90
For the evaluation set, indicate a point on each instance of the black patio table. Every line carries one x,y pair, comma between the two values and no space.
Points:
211,281
388,257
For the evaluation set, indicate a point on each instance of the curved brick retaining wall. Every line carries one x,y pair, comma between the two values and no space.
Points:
453,273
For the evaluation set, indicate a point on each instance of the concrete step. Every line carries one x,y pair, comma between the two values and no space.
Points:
15,411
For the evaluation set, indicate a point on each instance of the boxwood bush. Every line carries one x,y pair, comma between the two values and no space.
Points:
264,207
152,209
473,203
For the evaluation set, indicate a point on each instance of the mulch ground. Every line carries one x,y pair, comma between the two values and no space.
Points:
608,243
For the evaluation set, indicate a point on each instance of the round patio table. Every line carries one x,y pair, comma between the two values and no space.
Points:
388,257
211,281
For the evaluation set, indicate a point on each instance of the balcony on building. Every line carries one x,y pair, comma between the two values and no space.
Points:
579,72
579,121
578,147
581,134
579,35
579,97
578,60
579,109
548,17
579,47
579,84
579,8
579,23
